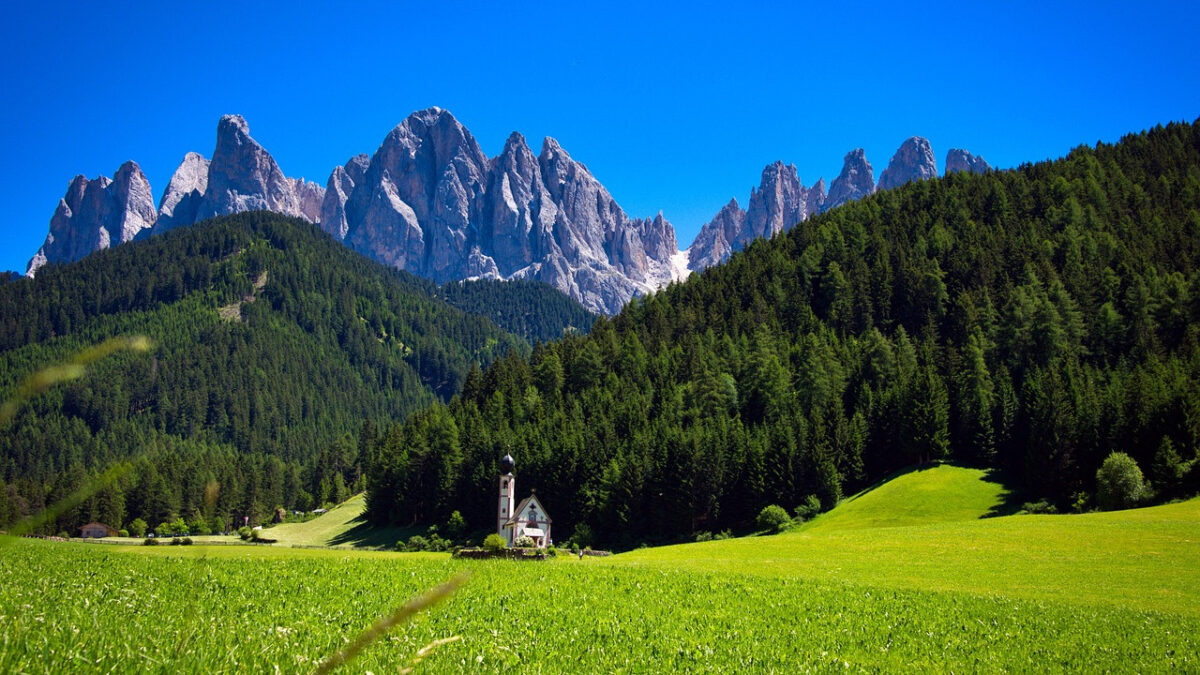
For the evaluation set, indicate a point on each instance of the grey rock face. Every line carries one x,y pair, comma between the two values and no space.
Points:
333,206
588,217
337,191
434,169
912,161
96,214
428,201
181,199
778,203
132,201
816,198
717,238
389,230
432,203
857,180
658,237
961,160
309,197
242,176
609,256
518,211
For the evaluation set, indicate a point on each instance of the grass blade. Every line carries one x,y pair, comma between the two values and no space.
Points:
384,624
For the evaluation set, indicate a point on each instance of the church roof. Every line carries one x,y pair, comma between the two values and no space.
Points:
521,509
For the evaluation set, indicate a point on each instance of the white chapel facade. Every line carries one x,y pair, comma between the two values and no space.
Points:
526,519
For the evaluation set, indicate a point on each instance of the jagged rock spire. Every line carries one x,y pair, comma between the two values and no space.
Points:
96,214
961,160
913,161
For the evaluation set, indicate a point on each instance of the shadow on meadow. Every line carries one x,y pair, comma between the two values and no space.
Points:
365,535
1011,499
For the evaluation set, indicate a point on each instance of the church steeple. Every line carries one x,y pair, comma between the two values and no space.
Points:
508,492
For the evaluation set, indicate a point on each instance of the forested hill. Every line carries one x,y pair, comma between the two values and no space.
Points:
534,310
1033,320
273,344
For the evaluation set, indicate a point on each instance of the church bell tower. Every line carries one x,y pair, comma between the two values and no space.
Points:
508,491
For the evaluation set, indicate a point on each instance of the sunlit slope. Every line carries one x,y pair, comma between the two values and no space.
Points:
342,526
921,497
1145,559
321,530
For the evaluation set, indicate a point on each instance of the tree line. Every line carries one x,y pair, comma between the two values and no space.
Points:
1033,321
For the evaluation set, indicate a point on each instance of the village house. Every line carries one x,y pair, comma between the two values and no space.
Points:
96,531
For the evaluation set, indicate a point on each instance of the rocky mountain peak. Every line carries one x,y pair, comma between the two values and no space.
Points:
857,180
337,191
551,147
913,161
356,167
134,202
778,203
243,176
658,237
436,171
432,203
518,211
816,197
516,156
589,212
233,128
718,237
961,160
182,197
515,138
96,214
309,198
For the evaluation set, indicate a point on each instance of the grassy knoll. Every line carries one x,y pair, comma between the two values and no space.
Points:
1115,591
938,494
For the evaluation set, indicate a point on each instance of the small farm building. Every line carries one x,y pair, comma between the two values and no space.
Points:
96,531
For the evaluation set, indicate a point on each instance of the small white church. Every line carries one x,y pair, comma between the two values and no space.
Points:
527,519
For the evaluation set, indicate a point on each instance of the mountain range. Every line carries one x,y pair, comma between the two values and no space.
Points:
430,201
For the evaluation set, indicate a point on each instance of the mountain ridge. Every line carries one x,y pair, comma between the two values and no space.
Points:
430,201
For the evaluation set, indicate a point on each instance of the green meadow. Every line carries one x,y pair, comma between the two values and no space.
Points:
897,536
888,581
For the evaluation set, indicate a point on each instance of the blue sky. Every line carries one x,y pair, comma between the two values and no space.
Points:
674,108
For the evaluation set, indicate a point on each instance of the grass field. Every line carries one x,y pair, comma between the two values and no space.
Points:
874,585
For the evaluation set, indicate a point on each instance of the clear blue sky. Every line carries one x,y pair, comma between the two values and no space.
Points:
673,108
